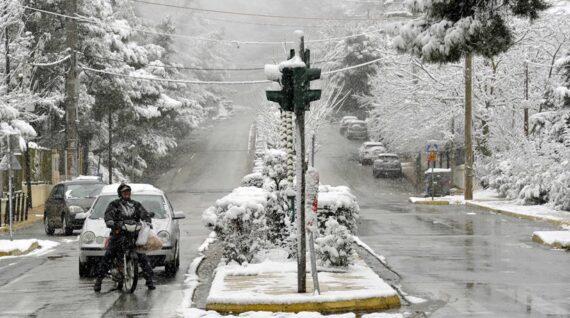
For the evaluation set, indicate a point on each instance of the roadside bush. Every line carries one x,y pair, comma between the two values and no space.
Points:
255,179
334,247
339,204
240,223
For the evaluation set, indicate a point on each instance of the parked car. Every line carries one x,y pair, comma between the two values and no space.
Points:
344,123
164,223
370,154
387,164
68,202
357,130
367,145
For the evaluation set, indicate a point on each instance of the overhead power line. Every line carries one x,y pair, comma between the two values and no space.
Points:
235,42
52,63
192,68
198,82
253,14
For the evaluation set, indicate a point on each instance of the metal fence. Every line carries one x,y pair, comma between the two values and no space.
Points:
20,208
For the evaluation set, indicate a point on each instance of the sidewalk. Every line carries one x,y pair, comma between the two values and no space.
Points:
34,215
272,287
489,200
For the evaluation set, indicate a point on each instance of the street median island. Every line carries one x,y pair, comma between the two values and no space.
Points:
272,286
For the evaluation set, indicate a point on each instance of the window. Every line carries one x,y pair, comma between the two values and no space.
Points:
152,203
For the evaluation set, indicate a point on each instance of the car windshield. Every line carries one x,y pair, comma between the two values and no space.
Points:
81,191
152,203
368,146
388,158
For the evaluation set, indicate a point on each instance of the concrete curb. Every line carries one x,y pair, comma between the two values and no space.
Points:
357,305
434,202
517,215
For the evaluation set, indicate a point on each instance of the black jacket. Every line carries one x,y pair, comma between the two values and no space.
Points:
120,210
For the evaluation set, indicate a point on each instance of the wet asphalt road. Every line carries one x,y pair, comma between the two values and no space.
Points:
49,285
466,262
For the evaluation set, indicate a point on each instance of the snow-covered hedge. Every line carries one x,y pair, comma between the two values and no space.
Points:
239,222
339,204
255,179
335,247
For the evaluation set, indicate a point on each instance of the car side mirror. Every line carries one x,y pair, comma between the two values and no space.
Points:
179,215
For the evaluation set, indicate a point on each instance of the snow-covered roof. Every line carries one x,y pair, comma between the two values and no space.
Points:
136,188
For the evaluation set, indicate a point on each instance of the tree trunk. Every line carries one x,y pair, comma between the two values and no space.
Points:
468,127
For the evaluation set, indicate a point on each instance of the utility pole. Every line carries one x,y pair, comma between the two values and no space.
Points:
468,127
71,92
110,146
526,98
7,58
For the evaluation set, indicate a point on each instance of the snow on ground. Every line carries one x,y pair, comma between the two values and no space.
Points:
489,199
8,247
198,313
559,239
478,195
279,278
531,211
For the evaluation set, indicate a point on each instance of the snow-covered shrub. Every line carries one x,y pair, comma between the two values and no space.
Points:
339,204
334,248
253,180
239,222
275,169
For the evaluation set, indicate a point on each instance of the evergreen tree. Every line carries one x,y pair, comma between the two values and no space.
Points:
447,30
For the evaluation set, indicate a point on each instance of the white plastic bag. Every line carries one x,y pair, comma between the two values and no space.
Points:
144,233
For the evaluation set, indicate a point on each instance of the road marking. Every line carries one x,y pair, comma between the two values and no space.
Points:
11,264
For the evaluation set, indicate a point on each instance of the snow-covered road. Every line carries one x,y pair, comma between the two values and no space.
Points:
49,285
467,262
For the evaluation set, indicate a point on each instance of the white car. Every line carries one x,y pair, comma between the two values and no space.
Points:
370,154
367,145
344,122
164,223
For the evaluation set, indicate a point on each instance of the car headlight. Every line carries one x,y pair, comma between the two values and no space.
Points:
88,237
74,209
164,236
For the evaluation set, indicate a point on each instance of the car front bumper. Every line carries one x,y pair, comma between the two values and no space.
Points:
158,257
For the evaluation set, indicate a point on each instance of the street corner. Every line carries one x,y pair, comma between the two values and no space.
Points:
554,239
271,287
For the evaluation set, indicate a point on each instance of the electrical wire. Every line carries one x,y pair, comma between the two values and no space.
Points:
251,14
351,67
234,42
52,63
198,82
254,82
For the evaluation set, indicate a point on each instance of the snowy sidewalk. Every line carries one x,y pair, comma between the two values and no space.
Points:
272,287
556,239
490,200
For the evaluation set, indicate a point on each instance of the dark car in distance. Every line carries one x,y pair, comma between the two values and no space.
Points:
67,205
387,164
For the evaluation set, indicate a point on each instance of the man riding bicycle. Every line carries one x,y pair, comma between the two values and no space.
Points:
119,211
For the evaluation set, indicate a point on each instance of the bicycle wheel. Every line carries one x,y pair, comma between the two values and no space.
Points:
131,272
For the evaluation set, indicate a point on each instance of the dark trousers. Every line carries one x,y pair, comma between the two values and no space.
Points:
115,250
